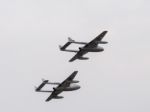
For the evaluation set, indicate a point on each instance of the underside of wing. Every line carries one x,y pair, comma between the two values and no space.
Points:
64,46
97,40
49,98
53,97
100,37
41,85
66,83
73,58
68,80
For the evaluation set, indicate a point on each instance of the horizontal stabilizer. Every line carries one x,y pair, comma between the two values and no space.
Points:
41,85
62,48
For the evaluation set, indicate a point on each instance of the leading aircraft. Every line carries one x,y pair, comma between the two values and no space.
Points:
88,47
66,85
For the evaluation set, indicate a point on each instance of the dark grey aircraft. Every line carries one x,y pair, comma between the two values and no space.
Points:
88,47
66,85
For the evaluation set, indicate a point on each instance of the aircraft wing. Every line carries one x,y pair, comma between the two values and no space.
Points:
68,80
60,87
95,41
51,96
74,58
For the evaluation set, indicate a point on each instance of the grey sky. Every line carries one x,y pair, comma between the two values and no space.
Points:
116,80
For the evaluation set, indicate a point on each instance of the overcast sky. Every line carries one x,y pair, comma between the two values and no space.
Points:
116,80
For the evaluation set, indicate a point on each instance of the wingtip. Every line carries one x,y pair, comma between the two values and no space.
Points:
48,99
75,71
71,60
105,31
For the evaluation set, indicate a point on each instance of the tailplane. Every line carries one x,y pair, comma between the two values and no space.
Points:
41,85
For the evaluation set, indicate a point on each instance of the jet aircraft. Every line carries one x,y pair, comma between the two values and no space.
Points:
66,85
88,47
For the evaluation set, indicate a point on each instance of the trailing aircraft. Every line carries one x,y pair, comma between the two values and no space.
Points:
88,47
66,85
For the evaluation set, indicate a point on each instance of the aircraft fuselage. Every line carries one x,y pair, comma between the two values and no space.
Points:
59,90
85,50
91,49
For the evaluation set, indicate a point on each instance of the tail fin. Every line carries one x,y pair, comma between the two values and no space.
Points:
60,47
35,88
70,40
